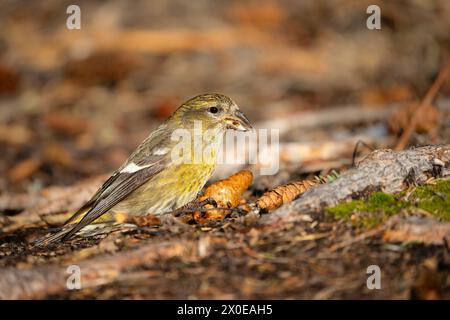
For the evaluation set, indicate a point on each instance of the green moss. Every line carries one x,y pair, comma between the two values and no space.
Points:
386,202
433,198
346,209
370,212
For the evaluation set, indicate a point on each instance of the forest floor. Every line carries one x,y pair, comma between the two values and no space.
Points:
74,104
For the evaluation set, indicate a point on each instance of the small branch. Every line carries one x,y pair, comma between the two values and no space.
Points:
427,100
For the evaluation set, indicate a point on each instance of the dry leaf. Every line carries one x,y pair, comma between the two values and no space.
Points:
66,123
56,153
23,170
15,134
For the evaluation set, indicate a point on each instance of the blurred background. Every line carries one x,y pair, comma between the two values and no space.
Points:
75,103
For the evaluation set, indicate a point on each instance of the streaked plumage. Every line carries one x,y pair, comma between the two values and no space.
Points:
150,181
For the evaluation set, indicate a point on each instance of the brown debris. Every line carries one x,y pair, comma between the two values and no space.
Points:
420,109
9,80
50,201
383,96
429,119
57,154
40,282
103,67
258,14
17,202
141,221
65,123
429,284
23,170
422,230
15,135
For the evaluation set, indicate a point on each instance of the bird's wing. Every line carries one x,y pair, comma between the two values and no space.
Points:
91,201
149,159
142,156
119,189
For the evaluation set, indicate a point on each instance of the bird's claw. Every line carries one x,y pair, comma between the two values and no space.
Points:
206,201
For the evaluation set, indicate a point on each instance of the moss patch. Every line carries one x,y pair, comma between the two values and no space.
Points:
433,198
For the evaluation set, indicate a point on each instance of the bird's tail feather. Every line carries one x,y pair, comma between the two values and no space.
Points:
53,238
64,229
88,231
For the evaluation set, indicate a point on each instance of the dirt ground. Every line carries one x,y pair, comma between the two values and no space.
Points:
75,103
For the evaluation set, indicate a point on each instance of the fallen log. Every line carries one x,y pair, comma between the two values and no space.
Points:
382,170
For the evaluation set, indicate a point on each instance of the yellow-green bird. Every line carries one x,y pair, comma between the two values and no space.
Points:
163,173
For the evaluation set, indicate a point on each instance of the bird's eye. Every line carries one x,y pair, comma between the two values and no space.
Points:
213,109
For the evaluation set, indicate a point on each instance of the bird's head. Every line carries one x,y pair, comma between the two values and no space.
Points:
214,111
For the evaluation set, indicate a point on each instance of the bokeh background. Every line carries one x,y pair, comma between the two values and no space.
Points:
74,103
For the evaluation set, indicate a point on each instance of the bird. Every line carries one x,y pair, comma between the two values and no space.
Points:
163,173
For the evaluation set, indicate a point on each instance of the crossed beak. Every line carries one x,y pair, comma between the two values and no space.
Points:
238,122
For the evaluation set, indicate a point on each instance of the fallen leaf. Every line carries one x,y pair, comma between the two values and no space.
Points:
65,123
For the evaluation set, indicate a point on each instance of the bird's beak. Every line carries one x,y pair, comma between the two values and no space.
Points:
238,122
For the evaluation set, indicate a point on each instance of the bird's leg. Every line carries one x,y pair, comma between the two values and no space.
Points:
206,201
194,206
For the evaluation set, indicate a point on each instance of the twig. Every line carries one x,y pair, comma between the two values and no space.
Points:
358,143
427,100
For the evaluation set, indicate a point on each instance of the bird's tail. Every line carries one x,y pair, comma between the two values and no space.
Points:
91,230
53,238
64,230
